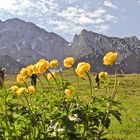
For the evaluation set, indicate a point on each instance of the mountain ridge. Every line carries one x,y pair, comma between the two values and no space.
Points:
26,43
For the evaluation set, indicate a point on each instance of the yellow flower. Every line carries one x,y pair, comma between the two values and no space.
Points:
103,76
68,62
35,69
31,89
51,76
68,92
20,90
23,72
14,88
110,58
54,63
20,78
42,65
29,70
82,69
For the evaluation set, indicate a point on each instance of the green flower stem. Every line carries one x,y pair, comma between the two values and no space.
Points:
43,120
90,84
116,84
25,95
40,82
5,103
54,79
86,122
49,88
61,75
47,82
77,81
1,107
22,100
58,87
26,100
25,84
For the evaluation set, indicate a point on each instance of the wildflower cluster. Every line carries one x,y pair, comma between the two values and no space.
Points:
57,111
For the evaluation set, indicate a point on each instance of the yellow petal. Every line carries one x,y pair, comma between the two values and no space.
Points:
54,63
68,92
31,89
68,62
20,78
14,88
82,69
20,90
110,58
51,76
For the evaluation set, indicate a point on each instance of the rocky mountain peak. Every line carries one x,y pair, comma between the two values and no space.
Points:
14,20
92,47
25,43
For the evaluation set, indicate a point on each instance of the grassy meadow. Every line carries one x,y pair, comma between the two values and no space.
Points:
128,94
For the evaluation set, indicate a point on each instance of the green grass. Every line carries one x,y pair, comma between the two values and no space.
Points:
128,94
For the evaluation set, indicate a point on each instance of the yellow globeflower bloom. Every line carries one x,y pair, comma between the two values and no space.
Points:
14,88
103,76
31,89
35,69
68,92
110,58
42,65
54,63
51,76
42,60
82,69
29,70
20,90
20,78
45,63
23,72
68,62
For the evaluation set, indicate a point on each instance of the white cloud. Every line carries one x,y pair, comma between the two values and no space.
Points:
85,20
102,28
20,7
111,18
7,4
14,5
109,4
99,12
62,19
73,19
82,16
138,2
70,1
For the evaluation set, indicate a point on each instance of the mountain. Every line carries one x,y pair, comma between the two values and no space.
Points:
24,43
91,47
27,43
12,66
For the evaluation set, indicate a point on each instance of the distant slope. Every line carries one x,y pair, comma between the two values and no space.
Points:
25,43
12,66
91,47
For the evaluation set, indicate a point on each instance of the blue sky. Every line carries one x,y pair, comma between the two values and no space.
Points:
118,18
